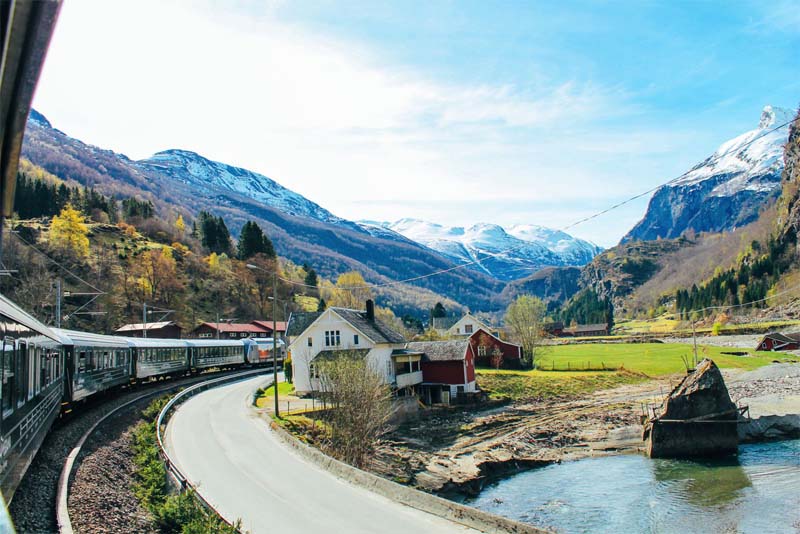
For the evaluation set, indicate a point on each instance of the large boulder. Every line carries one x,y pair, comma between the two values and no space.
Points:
697,419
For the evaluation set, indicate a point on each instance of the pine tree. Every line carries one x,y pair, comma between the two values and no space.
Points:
252,241
322,306
311,277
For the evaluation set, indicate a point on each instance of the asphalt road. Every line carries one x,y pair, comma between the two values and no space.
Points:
246,473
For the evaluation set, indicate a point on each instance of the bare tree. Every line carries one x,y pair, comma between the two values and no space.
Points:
525,317
361,405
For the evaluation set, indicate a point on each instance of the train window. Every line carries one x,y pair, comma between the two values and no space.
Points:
20,376
81,361
42,371
8,374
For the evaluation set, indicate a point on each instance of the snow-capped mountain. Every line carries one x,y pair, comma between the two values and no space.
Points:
504,253
726,190
197,171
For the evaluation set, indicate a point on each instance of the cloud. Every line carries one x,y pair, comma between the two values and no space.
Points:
326,117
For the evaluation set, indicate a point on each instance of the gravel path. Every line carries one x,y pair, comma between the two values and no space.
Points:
101,498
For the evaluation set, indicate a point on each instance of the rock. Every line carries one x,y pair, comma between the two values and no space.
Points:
698,418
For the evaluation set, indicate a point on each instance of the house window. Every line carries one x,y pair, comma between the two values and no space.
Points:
232,334
481,350
312,371
355,339
311,342
467,328
332,338
243,334
389,368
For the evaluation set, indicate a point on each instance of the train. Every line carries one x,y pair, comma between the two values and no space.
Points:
48,371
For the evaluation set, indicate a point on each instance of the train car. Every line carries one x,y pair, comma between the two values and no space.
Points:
159,357
30,396
206,353
259,350
94,363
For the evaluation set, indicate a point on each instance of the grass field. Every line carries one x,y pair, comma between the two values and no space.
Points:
638,361
284,388
652,359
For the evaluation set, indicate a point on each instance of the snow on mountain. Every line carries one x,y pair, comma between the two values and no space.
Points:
506,254
197,171
726,190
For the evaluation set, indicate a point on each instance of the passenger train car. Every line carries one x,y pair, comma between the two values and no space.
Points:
46,368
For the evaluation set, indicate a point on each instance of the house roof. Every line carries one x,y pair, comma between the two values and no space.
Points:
280,326
299,321
476,336
234,327
376,330
149,326
440,351
784,338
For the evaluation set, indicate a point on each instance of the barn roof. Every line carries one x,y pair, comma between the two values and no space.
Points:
440,351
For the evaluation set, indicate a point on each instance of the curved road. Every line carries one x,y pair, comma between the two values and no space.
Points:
246,473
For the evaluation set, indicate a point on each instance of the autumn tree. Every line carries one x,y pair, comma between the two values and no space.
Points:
158,275
253,241
525,318
351,291
180,226
69,233
361,406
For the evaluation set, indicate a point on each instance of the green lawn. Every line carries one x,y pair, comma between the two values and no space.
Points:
284,388
637,362
652,359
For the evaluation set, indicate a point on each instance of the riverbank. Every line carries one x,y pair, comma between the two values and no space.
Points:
457,452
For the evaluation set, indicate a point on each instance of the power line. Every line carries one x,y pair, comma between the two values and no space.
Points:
595,215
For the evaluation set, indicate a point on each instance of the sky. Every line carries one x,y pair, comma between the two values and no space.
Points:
456,112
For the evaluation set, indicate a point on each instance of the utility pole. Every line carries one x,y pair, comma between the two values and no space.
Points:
275,340
694,339
144,319
58,302
217,322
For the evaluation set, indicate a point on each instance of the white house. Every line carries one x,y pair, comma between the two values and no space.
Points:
313,336
464,327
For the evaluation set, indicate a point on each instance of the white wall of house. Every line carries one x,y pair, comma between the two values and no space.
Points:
467,325
379,356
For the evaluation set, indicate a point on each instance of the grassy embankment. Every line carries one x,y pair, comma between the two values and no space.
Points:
172,512
580,368
668,324
265,398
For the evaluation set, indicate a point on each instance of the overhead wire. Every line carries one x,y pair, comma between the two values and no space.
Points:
595,215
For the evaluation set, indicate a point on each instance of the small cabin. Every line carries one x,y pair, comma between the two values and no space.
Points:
778,341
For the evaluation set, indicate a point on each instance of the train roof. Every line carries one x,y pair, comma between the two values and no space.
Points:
74,337
265,341
215,342
151,343
18,315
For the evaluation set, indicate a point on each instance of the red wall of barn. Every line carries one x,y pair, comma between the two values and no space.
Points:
510,352
443,372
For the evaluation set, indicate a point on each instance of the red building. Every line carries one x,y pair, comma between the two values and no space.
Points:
778,341
280,327
448,370
491,351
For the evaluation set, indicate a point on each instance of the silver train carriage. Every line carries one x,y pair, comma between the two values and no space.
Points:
205,353
259,350
94,363
159,357
31,392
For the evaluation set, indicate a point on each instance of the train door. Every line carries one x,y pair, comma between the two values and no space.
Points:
7,387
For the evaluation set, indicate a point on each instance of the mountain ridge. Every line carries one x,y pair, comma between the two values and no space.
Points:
726,190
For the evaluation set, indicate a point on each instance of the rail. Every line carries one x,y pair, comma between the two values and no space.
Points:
173,469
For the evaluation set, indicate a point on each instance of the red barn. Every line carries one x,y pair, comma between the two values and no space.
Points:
778,341
448,370
491,351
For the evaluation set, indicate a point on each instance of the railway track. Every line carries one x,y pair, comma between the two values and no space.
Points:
34,507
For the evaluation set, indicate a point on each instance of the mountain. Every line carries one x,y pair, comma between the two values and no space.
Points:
504,253
198,172
180,181
725,191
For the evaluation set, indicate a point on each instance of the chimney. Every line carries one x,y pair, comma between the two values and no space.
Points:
370,311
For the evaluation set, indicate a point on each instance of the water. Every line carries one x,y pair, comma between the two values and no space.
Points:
758,492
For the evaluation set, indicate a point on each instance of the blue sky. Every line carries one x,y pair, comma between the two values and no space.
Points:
455,112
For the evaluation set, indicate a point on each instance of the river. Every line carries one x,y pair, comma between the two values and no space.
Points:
756,492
